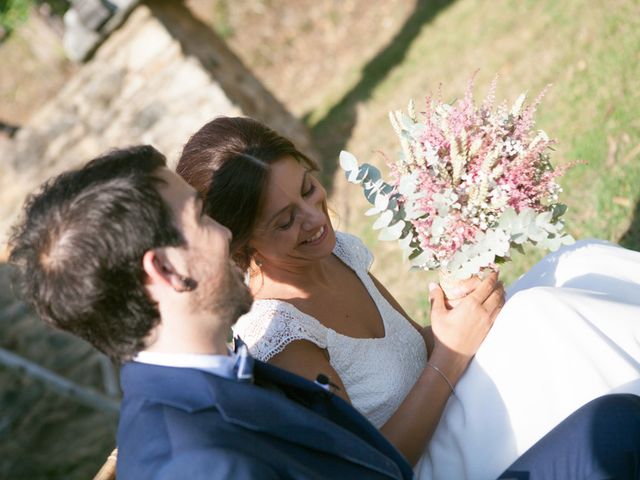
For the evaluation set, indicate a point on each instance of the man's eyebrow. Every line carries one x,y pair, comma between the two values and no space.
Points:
284,209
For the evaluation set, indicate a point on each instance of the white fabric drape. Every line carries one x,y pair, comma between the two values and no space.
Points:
570,332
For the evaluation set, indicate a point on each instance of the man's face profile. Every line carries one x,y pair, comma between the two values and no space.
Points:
219,285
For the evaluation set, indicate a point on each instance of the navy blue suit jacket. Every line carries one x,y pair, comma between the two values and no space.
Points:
188,424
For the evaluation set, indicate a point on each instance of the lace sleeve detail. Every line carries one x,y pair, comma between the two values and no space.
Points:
272,324
353,252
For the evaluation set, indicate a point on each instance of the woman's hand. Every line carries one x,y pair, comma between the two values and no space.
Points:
459,331
452,340
464,288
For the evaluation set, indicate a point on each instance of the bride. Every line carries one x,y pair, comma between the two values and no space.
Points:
459,399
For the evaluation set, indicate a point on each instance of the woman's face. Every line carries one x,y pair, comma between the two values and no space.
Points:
293,227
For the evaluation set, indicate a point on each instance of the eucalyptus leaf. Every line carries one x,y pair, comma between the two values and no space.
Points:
391,232
559,210
383,220
543,219
420,260
371,194
381,202
405,242
348,161
371,173
508,218
519,238
519,248
407,184
413,211
372,211
352,176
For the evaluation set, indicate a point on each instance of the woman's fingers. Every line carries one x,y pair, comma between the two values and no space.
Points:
486,288
437,299
494,304
463,328
495,298
464,288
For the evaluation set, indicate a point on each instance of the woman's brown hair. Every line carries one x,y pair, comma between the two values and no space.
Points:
227,161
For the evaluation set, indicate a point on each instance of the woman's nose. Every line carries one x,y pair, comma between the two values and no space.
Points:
314,217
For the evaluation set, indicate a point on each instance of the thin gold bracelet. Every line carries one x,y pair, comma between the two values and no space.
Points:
441,373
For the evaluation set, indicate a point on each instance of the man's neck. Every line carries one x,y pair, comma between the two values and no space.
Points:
189,335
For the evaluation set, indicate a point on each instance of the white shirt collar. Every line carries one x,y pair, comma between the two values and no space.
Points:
237,366
221,365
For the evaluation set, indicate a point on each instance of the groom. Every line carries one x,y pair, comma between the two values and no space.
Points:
121,254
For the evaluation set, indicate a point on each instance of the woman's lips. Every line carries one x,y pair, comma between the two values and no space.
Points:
318,237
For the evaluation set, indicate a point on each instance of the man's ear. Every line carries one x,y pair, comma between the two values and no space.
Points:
161,270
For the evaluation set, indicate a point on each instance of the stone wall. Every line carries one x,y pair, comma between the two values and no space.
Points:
156,80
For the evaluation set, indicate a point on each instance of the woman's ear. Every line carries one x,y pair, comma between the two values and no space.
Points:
160,266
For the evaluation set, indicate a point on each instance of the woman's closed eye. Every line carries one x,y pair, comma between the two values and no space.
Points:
308,188
309,191
288,224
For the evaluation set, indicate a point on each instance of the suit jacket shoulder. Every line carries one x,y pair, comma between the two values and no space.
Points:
174,418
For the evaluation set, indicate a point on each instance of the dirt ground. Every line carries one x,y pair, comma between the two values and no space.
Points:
33,69
305,51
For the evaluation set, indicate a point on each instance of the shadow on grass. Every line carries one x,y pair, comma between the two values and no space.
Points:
240,85
334,129
631,239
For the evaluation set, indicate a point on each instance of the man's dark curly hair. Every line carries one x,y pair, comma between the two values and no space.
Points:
77,250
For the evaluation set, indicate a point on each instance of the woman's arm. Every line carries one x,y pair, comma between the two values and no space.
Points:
467,287
306,359
456,335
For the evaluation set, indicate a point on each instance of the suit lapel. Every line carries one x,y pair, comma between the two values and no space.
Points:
274,414
267,411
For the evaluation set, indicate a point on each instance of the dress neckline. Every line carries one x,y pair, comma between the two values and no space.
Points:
368,285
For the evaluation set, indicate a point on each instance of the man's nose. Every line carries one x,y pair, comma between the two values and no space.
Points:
227,233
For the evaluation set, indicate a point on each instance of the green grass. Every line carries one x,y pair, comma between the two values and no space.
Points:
589,51
15,12
221,23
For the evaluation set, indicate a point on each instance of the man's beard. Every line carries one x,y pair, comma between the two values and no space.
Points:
227,299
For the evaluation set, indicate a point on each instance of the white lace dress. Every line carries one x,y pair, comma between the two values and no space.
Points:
377,372
569,332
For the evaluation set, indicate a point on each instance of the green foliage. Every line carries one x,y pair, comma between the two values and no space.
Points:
221,23
13,13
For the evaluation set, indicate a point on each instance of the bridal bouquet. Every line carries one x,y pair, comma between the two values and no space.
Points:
469,185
